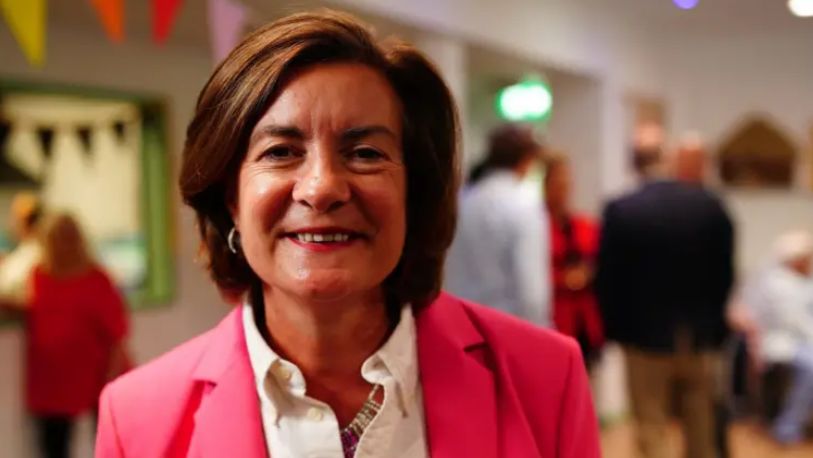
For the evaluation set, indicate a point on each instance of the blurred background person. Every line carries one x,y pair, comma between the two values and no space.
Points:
16,266
500,255
573,249
779,301
665,267
689,165
76,326
690,160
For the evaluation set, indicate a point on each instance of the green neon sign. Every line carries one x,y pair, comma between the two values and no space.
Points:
528,100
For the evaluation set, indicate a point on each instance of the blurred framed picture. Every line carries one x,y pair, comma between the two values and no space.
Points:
758,154
101,156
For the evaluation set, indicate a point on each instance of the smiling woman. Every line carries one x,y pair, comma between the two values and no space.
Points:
322,167
325,159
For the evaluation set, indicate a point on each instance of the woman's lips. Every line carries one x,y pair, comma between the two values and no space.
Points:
324,239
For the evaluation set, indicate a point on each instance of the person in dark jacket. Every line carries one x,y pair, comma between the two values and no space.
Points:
665,268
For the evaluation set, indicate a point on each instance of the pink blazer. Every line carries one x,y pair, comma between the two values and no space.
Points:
493,386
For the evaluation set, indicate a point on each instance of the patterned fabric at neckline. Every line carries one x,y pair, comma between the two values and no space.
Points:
351,434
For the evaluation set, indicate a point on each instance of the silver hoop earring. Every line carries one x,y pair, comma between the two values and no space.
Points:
230,240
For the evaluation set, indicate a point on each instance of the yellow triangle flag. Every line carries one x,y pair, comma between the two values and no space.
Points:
26,19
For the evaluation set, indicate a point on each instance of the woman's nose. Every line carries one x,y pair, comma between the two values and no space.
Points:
323,186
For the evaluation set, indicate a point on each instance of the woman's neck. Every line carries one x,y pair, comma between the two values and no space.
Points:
328,342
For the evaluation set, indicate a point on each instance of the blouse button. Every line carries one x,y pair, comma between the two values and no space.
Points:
315,414
284,373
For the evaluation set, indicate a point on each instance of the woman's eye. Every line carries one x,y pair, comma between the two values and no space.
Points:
279,153
367,154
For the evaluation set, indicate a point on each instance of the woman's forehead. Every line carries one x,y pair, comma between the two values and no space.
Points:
335,97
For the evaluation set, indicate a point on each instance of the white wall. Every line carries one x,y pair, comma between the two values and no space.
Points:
714,83
175,74
761,217
575,126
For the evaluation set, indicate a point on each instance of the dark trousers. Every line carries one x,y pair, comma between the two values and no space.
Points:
54,435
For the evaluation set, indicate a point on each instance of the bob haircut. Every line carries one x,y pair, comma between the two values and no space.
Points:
248,81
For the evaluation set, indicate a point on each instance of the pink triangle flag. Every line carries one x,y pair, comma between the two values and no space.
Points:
226,21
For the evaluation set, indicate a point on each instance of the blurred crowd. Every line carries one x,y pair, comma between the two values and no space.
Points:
655,275
75,318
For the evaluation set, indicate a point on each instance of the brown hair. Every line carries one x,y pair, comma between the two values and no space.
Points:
64,249
508,146
554,160
244,86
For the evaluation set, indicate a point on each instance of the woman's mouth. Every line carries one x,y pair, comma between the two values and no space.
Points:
321,239
315,237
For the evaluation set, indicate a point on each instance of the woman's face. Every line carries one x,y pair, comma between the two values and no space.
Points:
321,194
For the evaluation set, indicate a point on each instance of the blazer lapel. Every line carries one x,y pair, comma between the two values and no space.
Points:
458,387
228,421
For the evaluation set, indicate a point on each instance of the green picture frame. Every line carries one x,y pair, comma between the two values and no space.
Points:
158,287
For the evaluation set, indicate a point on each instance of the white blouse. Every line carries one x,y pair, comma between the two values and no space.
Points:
298,426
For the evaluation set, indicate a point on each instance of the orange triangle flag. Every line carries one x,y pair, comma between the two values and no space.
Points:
111,14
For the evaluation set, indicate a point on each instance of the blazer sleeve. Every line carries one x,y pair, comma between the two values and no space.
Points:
578,426
108,444
726,254
609,267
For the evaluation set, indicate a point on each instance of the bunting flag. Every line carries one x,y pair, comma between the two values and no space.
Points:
226,21
46,138
85,134
26,19
5,129
163,16
120,129
111,15
10,174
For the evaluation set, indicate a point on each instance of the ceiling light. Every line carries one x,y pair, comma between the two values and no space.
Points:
528,100
685,4
801,8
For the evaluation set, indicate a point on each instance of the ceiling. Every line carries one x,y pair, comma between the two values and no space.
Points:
709,18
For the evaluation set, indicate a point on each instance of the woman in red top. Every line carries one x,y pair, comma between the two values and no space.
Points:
76,325
574,245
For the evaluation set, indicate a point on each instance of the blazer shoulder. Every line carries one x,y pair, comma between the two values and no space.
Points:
544,368
160,385
620,204
178,363
149,410
519,341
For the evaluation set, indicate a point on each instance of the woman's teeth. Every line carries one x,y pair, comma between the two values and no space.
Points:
322,238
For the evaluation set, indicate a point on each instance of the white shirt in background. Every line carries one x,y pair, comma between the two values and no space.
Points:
781,301
298,426
500,255
15,270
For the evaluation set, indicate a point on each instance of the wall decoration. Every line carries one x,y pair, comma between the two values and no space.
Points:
227,19
164,13
26,19
757,155
102,157
111,15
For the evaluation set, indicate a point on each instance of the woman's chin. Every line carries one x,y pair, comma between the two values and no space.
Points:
329,287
